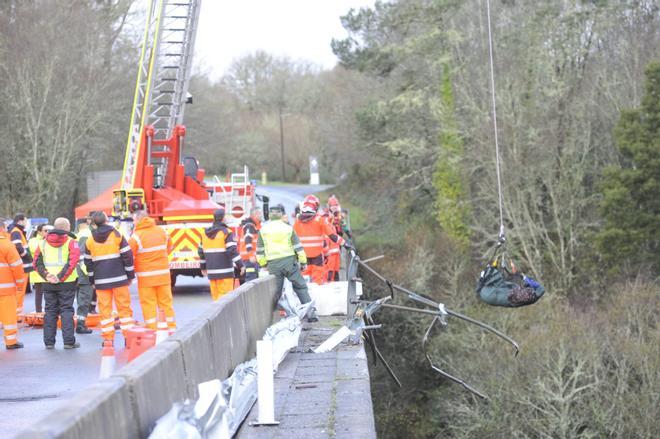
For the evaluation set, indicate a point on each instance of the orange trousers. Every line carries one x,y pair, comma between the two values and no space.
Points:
334,262
8,318
220,287
316,272
154,298
20,293
122,299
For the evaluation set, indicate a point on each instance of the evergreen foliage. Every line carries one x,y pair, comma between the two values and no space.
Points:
451,201
631,191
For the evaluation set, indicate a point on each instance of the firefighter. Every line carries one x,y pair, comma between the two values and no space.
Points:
279,247
248,244
218,255
56,260
85,288
17,233
11,276
151,246
336,221
312,230
35,279
109,263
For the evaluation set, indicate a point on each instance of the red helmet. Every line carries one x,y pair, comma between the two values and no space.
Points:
312,200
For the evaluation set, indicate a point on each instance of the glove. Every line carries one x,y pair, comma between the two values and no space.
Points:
303,267
348,246
530,282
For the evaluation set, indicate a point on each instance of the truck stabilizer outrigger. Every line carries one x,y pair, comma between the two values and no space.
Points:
362,323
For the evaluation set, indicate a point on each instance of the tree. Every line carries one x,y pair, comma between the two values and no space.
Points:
631,205
452,202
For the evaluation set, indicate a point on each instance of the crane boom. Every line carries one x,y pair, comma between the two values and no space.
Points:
162,84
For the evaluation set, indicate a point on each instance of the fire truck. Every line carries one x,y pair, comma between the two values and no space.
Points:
156,175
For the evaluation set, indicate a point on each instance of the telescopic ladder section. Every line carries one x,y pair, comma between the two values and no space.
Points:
239,185
163,77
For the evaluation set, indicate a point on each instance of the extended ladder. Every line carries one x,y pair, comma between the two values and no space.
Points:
163,76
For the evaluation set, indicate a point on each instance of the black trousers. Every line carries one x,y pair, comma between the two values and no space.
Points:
59,304
38,297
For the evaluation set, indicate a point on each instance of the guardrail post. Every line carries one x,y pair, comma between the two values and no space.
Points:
351,277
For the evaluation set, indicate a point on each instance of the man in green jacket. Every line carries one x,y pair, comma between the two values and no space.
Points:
278,247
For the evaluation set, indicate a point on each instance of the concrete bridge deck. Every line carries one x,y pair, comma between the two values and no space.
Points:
319,395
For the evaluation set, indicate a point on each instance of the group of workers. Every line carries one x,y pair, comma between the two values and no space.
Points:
99,264
310,247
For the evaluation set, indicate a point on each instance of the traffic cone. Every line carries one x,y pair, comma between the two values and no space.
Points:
107,360
162,332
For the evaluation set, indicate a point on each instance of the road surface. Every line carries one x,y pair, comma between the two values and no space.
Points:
33,380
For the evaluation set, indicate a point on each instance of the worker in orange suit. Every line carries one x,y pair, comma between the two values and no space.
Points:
248,244
11,276
334,253
18,238
218,255
109,262
151,246
312,229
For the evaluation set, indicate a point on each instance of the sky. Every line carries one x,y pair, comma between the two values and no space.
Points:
299,29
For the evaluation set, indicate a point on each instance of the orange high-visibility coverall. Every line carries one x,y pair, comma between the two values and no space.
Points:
312,231
151,246
109,262
20,242
11,276
218,255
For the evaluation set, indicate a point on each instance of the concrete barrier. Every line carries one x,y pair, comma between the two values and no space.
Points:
260,300
127,404
198,353
156,380
103,410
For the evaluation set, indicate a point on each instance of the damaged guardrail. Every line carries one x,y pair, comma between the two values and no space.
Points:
223,405
360,322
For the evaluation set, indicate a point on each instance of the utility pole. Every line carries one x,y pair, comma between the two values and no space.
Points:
279,110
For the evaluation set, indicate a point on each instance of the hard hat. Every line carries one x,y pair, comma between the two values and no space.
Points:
333,201
308,208
313,200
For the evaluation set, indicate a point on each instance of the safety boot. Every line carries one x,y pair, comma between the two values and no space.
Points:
81,328
17,345
311,316
75,345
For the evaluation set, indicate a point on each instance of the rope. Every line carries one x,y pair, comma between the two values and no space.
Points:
497,145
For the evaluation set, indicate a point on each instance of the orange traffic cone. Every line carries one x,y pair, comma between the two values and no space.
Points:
162,333
107,360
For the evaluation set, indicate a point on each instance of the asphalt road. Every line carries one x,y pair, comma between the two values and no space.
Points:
33,380
289,196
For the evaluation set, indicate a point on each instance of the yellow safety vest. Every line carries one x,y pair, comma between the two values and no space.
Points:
33,243
276,236
56,257
81,263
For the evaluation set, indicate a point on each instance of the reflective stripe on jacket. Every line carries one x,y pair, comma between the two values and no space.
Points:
218,253
278,240
109,263
313,233
20,242
248,240
151,247
33,244
11,266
